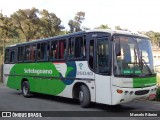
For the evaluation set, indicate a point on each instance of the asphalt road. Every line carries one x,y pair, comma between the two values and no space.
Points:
13,100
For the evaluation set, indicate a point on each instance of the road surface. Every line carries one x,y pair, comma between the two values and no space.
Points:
13,100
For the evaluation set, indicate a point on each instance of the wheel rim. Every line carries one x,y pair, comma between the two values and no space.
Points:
80,96
25,90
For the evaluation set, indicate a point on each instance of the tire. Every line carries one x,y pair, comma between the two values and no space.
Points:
26,89
84,96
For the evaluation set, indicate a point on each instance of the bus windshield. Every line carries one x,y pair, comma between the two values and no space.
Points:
133,56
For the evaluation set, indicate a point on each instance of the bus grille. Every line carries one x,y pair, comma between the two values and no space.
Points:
141,92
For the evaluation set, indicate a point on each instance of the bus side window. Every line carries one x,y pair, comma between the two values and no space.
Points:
20,53
7,56
48,50
91,54
38,51
62,49
44,56
54,50
33,52
79,47
71,48
83,47
12,56
27,53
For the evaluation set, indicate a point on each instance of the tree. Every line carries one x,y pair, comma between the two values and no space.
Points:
118,28
71,24
50,24
34,24
75,25
103,27
85,28
154,36
7,31
27,22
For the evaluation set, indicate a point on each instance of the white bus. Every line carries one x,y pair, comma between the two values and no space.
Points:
101,66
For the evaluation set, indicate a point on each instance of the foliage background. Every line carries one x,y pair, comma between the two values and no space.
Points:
30,24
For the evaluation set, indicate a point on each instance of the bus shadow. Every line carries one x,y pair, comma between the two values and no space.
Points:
103,107
55,98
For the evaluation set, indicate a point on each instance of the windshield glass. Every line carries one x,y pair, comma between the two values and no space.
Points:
133,56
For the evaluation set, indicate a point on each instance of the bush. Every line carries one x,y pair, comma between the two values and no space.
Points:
158,94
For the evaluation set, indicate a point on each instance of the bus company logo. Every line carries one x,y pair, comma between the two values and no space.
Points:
80,65
37,71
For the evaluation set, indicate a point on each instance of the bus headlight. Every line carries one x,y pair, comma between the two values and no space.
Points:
119,91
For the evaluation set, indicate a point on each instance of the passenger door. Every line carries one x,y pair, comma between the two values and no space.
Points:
103,70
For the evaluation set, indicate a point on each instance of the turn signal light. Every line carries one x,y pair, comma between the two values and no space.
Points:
119,91
131,93
125,92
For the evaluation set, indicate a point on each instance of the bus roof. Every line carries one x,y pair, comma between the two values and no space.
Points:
83,32
118,32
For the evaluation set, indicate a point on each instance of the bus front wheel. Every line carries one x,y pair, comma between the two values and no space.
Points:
26,89
84,96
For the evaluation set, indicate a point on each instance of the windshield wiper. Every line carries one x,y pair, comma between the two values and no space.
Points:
136,55
143,61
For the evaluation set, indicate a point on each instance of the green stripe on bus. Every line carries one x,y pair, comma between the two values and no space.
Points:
47,86
144,82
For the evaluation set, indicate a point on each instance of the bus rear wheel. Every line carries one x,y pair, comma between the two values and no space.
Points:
84,96
26,89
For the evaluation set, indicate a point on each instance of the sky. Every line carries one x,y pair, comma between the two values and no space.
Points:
135,15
